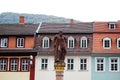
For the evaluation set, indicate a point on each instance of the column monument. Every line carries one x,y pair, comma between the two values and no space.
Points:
59,55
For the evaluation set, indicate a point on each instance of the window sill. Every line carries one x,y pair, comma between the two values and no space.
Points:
100,71
114,71
83,70
106,48
70,70
44,70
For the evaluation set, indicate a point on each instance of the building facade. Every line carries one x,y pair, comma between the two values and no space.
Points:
106,51
16,47
78,58
27,50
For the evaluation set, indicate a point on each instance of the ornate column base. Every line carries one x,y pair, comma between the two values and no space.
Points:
59,68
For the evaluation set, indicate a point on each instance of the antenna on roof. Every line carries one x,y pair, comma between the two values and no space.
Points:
38,27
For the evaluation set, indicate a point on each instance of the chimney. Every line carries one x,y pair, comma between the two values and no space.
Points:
21,20
71,21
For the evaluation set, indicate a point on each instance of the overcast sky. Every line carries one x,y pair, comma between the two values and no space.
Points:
83,10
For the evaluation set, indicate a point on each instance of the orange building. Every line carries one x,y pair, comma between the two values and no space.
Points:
17,53
106,37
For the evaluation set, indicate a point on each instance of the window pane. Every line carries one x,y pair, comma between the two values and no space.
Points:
3,64
25,65
20,42
45,42
83,64
3,42
83,42
119,43
70,64
112,25
100,64
114,64
14,65
44,63
107,43
70,43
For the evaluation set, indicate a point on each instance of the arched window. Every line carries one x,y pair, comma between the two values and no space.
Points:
45,42
70,42
107,43
118,43
83,42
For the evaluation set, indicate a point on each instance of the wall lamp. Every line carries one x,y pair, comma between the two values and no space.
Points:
31,59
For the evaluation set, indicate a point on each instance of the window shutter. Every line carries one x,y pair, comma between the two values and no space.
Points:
50,42
116,40
41,42
88,41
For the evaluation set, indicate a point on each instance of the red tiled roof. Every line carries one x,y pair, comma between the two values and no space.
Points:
18,29
104,27
83,27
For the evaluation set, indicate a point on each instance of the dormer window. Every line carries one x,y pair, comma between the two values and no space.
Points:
45,43
84,42
118,43
70,42
112,26
107,43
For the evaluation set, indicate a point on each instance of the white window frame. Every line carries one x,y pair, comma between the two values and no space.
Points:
4,42
108,39
84,63
24,64
20,44
71,44
3,64
70,64
44,43
14,64
118,45
114,63
83,45
113,26
96,63
44,63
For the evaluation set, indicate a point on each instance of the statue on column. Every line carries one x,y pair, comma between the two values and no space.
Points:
60,47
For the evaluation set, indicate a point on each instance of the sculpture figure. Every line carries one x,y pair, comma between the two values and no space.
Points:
59,47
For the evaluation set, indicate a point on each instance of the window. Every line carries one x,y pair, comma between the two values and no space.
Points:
3,42
118,43
3,64
100,64
107,43
70,42
24,64
44,63
20,42
83,42
70,64
114,64
83,64
112,26
45,42
13,64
